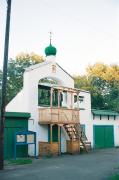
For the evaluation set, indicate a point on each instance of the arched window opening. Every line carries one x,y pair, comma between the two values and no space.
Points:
44,92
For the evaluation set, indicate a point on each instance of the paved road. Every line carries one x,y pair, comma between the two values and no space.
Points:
97,165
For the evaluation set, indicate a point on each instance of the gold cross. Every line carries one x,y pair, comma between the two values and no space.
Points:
51,33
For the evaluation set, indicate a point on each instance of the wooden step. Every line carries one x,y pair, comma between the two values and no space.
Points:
74,131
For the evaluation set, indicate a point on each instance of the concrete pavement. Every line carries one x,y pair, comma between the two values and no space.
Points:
97,165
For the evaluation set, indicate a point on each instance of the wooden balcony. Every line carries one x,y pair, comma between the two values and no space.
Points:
58,116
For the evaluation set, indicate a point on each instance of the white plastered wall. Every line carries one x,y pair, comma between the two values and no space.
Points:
17,104
85,115
104,121
27,100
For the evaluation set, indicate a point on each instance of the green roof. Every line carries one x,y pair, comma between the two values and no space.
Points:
18,114
104,112
50,50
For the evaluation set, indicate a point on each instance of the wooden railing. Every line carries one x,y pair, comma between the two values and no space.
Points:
58,116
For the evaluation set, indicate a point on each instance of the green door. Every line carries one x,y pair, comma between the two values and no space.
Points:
54,133
12,125
103,136
22,151
109,136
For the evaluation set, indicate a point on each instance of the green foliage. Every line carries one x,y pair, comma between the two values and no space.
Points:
114,177
20,161
103,83
16,69
82,82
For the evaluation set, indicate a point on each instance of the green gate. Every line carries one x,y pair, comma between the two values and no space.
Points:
14,122
103,136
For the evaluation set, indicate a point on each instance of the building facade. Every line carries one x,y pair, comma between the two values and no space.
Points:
57,108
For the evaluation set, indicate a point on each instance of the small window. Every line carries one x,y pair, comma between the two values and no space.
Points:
81,98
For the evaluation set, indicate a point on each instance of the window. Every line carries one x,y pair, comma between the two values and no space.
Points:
81,98
55,98
43,95
63,99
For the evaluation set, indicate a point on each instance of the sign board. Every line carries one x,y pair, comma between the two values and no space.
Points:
24,138
30,138
20,138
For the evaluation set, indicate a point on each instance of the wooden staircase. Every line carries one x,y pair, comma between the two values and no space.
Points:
75,132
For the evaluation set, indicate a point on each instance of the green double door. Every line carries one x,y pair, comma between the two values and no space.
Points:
103,136
13,125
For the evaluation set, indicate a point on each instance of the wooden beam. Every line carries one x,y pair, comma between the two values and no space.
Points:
58,105
58,98
74,90
78,105
72,104
51,93
78,100
59,143
50,133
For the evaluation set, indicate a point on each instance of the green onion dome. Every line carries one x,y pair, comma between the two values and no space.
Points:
50,50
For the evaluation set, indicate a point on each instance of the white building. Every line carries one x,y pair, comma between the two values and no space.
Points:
44,115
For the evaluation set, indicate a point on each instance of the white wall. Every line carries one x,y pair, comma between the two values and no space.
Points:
31,79
64,137
27,100
85,115
104,121
17,103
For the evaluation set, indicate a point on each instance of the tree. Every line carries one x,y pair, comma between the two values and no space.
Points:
16,69
93,85
103,82
82,82
109,73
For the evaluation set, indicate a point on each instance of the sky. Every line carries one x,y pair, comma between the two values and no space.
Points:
84,31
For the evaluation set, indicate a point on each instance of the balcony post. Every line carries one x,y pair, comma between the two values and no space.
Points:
58,98
58,105
51,133
78,104
72,104
51,93
59,143
77,100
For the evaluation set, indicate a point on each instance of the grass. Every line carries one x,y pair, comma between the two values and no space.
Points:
19,161
115,177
